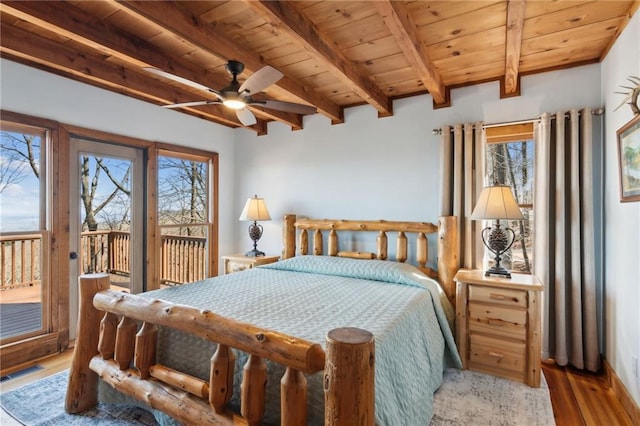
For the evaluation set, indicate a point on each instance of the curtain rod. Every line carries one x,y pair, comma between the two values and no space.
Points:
595,111
532,120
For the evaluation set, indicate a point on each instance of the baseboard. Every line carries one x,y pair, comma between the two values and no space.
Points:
621,393
18,355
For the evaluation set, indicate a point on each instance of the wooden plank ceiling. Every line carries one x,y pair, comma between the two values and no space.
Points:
333,54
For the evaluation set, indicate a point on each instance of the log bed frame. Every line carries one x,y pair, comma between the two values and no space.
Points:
110,344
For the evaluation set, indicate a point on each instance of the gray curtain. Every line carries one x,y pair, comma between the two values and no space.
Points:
565,237
462,162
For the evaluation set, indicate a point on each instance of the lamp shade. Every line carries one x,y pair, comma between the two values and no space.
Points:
497,202
255,209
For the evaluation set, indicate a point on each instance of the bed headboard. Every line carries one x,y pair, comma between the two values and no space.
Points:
301,230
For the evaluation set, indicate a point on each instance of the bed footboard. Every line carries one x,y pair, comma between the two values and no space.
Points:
112,345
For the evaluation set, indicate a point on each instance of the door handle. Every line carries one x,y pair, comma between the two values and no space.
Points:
73,255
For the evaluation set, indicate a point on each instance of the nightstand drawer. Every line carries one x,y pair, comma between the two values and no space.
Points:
232,267
497,355
498,296
240,262
498,320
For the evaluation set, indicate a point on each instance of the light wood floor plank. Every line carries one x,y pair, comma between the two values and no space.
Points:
598,404
565,407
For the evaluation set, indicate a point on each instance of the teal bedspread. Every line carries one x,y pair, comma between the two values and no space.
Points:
307,296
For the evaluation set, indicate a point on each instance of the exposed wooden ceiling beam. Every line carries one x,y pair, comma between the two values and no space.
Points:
397,18
188,27
515,25
76,25
23,45
304,32
288,118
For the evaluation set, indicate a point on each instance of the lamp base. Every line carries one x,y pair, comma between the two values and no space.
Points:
254,253
497,270
498,241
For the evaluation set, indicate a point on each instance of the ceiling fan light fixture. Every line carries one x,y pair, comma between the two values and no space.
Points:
238,96
234,103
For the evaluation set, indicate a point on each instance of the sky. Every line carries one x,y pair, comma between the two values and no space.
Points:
19,201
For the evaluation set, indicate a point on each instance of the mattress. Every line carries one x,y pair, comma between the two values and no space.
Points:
307,296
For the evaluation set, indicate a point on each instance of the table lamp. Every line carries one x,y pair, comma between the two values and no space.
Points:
255,210
495,203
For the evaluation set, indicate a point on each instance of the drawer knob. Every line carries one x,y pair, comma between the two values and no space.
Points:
496,354
498,296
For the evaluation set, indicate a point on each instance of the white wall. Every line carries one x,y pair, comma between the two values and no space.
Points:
381,168
622,220
30,91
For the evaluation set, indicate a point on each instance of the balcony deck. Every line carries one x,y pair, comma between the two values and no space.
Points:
21,307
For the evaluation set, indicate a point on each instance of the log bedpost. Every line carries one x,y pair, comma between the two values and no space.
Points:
125,342
289,236
107,341
221,378
381,242
422,254
82,389
293,398
401,247
145,350
448,260
349,391
317,242
304,242
252,390
333,243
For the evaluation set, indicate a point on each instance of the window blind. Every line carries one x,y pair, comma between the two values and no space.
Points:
509,133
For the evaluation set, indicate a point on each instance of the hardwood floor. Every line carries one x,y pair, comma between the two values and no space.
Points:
578,398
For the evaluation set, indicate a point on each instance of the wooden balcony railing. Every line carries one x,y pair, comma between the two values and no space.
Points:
20,260
183,258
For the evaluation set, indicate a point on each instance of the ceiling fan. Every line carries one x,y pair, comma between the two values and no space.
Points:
238,96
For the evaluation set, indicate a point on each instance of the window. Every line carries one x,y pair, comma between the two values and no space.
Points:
24,241
510,157
185,217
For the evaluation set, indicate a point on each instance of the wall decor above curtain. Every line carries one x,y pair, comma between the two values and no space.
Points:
629,160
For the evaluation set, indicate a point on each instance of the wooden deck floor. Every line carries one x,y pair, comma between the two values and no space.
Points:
21,308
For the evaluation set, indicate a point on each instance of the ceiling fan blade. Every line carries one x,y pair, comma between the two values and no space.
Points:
260,80
286,106
179,79
246,117
188,104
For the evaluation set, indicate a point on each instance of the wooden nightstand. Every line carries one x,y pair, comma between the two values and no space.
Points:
498,324
240,262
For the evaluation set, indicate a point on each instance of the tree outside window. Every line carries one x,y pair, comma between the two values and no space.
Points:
511,163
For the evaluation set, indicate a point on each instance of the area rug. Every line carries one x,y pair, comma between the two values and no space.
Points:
41,403
465,398
469,398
